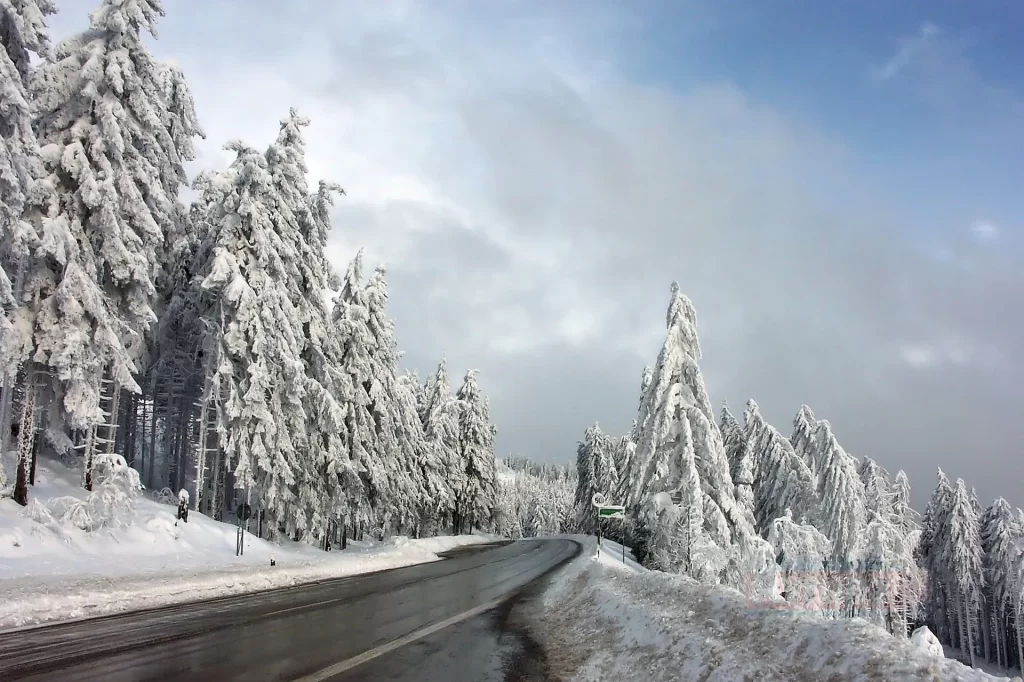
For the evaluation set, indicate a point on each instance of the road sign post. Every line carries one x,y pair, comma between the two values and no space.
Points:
607,511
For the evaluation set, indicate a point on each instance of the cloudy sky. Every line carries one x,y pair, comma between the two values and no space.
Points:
836,186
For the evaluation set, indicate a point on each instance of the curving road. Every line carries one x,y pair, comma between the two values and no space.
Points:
438,621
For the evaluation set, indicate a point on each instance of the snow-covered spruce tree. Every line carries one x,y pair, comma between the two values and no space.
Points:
674,403
911,578
781,479
940,611
964,562
396,455
595,466
355,366
435,496
302,221
104,129
999,537
476,448
1015,583
440,418
741,464
22,33
892,580
257,336
841,515
877,494
801,552
804,428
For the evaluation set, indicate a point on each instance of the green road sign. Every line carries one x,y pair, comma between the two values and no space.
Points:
611,512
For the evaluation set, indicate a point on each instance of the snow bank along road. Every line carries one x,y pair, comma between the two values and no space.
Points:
321,631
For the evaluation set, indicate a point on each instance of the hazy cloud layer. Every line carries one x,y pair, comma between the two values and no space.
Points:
533,204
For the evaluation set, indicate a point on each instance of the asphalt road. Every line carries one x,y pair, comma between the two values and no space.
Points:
325,631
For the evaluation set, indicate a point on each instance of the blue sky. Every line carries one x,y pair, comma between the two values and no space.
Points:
928,95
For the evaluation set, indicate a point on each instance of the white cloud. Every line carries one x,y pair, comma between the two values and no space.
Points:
985,231
910,47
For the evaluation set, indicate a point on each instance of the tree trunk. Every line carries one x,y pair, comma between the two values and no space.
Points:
344,535
7,392
26,438
146,411
35,456
970,630
152,439
1020,637
986,630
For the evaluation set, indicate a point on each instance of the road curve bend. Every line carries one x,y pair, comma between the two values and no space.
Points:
309,632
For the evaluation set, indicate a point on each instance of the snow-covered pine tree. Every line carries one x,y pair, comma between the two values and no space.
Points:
941,611
741,465
355,365
781,479
841,513
877,495
595,468
891,578
476,447
104,129
911,577
801,552
1000,536
622,456
440,418
804,428
257,334
676,401
435,496
396,455
303,222
22,33
964,561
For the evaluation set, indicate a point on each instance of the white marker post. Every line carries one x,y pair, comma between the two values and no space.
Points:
607,511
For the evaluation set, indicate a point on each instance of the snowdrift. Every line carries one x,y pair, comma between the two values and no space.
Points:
50,573
602,621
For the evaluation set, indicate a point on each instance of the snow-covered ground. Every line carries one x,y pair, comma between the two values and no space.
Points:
602,620
50,573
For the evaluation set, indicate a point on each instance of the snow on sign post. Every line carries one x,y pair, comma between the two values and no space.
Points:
607,511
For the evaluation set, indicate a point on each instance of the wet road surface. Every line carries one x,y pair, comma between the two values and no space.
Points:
313,632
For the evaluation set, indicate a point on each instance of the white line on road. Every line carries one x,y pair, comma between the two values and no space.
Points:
348,664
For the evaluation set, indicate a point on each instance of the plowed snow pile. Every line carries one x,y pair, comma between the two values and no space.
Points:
605,621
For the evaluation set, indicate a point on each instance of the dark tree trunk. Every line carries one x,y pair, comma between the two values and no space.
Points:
344,536
36,444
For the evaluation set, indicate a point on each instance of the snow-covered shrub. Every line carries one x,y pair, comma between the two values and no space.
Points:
41,514
111,503
71,512
165,496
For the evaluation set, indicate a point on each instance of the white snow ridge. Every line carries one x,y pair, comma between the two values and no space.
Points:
602,620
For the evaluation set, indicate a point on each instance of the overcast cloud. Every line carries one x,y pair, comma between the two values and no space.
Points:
534,195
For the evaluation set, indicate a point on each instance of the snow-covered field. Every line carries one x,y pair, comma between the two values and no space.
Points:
602,620
49,574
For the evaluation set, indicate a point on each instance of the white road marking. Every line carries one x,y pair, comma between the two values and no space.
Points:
350,663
